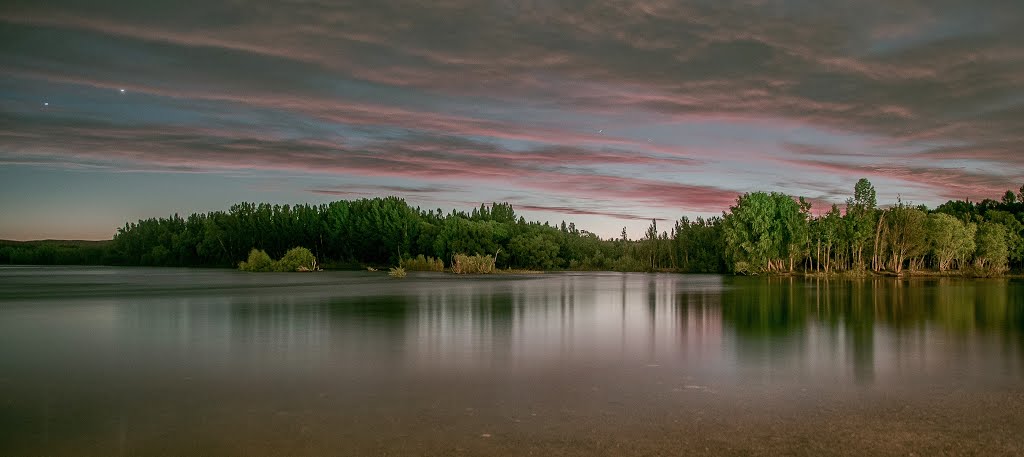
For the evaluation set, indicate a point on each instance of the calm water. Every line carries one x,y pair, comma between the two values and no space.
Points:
123,361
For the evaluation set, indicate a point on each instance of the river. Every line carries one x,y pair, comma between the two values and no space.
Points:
147,361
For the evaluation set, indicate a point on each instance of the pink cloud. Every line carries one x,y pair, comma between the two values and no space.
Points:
433,159
649,61
947,183
562,210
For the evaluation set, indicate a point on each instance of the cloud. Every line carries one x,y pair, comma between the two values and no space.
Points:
379,190
666,57
953,183
548,97
438,159
563,210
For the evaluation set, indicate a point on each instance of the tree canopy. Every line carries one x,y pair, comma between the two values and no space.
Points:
762,233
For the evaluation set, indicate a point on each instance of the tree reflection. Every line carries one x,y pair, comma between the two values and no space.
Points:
771,317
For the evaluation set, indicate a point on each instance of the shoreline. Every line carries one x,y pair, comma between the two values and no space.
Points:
906,274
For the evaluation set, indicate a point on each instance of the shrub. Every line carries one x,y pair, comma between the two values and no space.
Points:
477,264
421,263
297,259
258,261
743,268
630,263
398,272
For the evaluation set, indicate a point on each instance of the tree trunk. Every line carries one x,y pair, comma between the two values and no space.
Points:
817,258
878,238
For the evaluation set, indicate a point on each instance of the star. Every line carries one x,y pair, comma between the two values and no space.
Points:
46,103
122,91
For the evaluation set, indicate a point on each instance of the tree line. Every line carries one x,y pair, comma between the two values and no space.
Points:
774,233
763,233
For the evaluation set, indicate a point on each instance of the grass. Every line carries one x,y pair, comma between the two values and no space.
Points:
476,264
421,263
518,271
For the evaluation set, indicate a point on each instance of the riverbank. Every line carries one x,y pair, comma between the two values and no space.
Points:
905,274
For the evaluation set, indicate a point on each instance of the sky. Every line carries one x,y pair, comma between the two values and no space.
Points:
604,113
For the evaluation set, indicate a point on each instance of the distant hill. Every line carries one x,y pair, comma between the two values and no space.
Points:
56,252
55,242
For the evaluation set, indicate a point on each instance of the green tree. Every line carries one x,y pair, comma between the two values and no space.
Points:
861,219
950,240
905,234
796,229
1014,233
992,253
651,245
760,230
828,231
537,251
763,232
699,245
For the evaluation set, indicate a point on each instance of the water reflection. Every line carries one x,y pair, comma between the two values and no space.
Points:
104,362
878,327
766,330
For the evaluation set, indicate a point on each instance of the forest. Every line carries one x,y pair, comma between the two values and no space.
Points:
763,233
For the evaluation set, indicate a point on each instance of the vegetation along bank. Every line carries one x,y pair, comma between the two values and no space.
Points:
763,233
